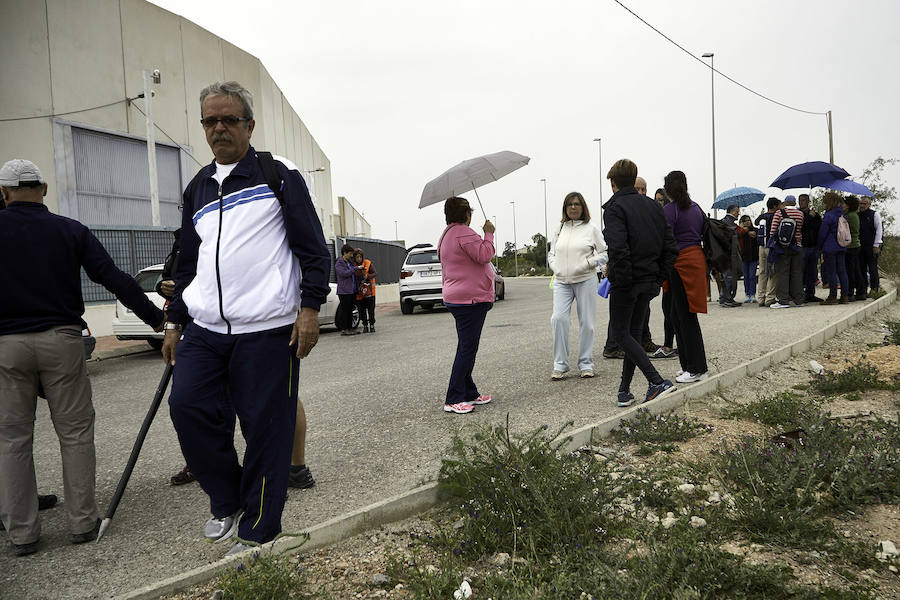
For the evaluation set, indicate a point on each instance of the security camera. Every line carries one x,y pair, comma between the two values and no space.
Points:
157,78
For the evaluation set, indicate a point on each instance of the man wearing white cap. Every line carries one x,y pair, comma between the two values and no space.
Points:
40,342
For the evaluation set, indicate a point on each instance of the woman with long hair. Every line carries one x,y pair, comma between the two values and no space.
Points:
834,268
468,290
365,294
687,283
574,257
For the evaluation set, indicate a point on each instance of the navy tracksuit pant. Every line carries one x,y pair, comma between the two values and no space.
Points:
258,373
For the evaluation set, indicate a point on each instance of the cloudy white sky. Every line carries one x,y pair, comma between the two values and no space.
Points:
397,92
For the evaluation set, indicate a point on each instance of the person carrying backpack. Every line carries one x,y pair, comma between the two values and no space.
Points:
786,251
834,269
765,285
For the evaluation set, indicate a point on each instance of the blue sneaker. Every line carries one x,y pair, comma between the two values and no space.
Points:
624,399
657,390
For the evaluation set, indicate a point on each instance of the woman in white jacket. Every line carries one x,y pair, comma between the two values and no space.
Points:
575,255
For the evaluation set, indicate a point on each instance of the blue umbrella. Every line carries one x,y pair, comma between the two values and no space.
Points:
845,185
742,196
809,175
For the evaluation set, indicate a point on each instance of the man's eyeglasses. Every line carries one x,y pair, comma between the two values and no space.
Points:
227,121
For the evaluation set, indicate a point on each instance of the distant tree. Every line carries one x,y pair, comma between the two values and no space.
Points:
885,195
509,249
539,250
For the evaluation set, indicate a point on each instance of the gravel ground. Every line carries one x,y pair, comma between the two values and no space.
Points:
376,429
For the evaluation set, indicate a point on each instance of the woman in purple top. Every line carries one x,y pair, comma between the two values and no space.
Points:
834,268
346,291
687,283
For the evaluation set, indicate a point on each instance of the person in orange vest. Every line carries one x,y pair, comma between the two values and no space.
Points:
365,295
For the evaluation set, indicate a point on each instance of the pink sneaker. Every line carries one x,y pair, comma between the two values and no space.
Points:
483,399
459,408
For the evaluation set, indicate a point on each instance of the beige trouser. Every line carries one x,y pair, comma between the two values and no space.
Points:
55,358
765,285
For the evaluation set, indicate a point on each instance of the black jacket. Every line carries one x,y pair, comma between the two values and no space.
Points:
640,243
43,254
810,231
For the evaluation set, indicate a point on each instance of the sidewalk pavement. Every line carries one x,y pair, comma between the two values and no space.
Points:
109,346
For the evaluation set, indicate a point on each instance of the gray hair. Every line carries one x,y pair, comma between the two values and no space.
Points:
233,89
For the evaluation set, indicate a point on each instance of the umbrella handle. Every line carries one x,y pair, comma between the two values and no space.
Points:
479,203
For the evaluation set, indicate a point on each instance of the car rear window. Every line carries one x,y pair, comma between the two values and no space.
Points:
148,279
422,258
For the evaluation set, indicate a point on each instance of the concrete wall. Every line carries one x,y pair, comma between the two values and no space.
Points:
67,55
349,221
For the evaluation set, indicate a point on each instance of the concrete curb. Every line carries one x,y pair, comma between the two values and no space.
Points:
410,503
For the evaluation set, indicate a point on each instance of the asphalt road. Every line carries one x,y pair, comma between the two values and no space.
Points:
376,428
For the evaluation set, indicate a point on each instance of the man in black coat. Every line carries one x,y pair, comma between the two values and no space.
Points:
642,253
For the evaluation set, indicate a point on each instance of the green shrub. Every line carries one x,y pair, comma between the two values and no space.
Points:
859,376
658,428
893,335
263,577
785,409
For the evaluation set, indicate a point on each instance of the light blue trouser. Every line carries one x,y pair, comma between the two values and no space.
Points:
585,296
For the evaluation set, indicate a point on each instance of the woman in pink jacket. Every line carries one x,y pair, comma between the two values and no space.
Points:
468,282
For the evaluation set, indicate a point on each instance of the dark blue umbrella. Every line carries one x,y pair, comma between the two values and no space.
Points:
845,185
809,175
742,196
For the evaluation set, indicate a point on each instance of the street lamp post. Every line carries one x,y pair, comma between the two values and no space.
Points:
546,247
515,242
600,169
712,87
396,235
496,251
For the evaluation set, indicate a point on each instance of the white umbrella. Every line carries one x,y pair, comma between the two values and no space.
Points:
471,174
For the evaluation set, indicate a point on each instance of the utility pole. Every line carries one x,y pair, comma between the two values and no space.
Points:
712,87
151,77
546,247
515,242
830,140
600,169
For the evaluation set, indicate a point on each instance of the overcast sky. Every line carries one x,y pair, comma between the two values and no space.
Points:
397,92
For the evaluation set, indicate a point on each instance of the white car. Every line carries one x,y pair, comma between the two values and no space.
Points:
127,326
421,283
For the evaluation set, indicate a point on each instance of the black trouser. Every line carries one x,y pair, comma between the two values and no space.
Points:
869,262
367,310
612,345
854,276
343,317
691,352
668,322
627,313
469,323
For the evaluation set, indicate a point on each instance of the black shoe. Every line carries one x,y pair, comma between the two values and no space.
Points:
182,477
46,501
301,478
616,354
650,347
372,328
814,299
25,549
87,536
365,329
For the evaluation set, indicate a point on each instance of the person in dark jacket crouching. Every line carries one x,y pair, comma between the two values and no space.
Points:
642,253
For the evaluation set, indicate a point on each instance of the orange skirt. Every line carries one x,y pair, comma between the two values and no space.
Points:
691,267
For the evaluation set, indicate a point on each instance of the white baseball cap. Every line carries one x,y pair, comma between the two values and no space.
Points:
19,171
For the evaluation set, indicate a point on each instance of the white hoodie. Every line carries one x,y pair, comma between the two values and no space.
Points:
576,252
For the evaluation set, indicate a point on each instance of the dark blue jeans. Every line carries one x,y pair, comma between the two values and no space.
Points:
627,310
834,270
469,323
748,269
259,373
810,270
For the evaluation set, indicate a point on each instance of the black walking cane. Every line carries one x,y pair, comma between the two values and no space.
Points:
136,450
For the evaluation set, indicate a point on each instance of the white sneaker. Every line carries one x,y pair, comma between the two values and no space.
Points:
780,305
687,377
557,375
217,530
678,373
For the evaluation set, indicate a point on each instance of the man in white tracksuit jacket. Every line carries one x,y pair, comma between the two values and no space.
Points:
574,257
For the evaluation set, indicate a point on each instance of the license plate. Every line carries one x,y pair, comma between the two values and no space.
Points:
429,274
